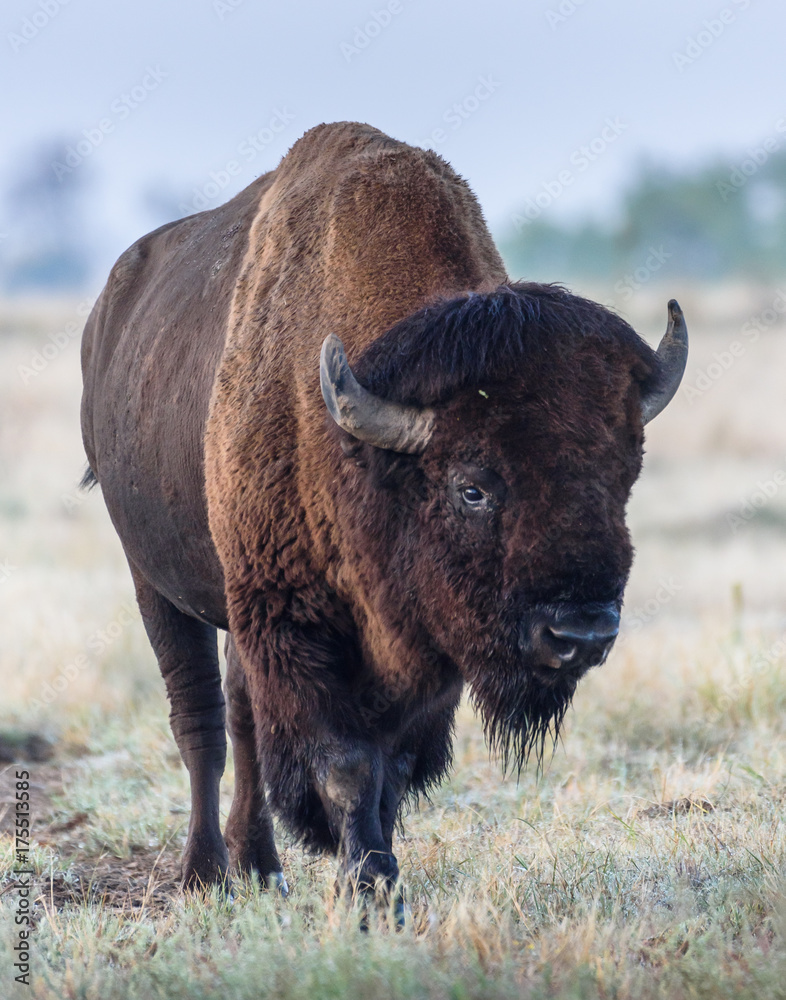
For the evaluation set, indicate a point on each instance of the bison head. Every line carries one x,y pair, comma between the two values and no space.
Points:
495,443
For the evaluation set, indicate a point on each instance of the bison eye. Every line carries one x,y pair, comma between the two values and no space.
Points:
475,492
472,496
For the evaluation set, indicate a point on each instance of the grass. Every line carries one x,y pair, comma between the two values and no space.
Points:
645,860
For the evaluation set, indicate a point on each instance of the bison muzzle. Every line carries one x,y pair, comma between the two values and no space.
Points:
325,421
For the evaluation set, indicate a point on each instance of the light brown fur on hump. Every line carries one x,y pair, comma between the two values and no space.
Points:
355,232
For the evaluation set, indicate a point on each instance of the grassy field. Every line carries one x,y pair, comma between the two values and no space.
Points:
645,861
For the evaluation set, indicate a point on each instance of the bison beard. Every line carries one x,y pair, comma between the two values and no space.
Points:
519,712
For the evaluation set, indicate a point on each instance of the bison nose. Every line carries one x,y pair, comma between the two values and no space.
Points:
576,640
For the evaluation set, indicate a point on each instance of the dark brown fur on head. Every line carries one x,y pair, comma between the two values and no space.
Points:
540,390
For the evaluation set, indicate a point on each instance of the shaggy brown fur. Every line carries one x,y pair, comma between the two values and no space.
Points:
360,591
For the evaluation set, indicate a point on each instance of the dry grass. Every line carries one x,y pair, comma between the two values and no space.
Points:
646,860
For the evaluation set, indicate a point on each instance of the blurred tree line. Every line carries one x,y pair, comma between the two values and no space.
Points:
43,242
717,220
706,223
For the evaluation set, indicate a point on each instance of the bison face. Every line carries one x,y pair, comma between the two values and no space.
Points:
557,638
518,550
494,532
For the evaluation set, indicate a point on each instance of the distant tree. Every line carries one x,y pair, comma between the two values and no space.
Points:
45,244
708,222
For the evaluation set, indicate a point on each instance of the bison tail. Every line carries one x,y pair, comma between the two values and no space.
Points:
88,480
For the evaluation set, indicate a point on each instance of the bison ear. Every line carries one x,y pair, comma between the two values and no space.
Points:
369,418
673,356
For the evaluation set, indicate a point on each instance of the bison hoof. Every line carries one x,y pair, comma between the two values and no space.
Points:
203,881
277,882
205,865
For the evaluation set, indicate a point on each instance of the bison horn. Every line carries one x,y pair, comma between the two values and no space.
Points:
369,418
673,355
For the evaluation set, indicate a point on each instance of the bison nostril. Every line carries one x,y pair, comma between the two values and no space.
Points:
575,639
574,646
562,646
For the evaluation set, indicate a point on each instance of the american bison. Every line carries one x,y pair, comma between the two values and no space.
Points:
325,421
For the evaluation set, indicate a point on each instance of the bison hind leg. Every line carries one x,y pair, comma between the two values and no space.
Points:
187,655
249,831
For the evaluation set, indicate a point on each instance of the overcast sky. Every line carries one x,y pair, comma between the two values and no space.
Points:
508,92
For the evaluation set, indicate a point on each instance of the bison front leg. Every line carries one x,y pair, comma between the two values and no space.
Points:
351,781
398,772
249,829
188,658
